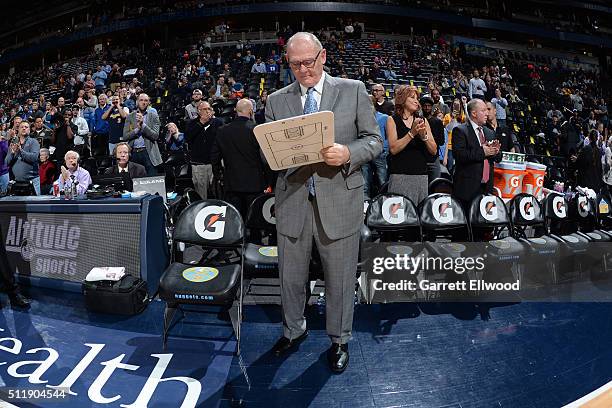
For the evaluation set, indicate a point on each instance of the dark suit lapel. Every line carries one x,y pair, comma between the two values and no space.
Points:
330,93
293,99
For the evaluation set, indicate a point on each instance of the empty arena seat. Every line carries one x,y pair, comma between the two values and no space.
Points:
441,185
213,231
261,260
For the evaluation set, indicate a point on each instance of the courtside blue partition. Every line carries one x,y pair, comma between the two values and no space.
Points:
54,243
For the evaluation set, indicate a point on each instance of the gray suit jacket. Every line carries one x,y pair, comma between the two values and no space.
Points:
339,190
150,132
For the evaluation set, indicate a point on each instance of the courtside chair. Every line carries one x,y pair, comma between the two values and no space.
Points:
261,252
216,228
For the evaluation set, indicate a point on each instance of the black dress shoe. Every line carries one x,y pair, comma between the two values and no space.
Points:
20,301
338,357
283,345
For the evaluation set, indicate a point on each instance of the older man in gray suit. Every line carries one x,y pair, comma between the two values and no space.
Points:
141,131
323,201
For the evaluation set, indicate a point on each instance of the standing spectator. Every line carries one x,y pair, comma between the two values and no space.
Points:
437,130
42,135
80,129
100,79
379,164
474,148
381,103
506,138
244,172
200,135
411,143
63,136
99,138
141,131
570,134
191,110
438,103
174,138
4,171
500,103
477,87
115,117
46,172
22,158
461,84
588,164
114,78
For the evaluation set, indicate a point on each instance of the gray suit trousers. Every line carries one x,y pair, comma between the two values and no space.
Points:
339,259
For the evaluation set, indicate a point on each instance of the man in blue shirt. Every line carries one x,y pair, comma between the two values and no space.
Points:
100,79
99,139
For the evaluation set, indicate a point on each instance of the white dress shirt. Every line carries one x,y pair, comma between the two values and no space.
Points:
318,91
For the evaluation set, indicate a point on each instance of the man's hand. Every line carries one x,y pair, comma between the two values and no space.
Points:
15,148
464,99
139,118
65,174
336,155
490,150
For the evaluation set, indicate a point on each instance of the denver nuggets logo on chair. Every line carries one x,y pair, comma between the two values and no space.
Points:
200,274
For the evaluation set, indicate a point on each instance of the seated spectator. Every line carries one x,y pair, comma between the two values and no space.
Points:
259,67
191,110
46,171
73,173
124,167
220,89
174,139
271,67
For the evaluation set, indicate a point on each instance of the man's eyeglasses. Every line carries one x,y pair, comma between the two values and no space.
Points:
309,63
378,90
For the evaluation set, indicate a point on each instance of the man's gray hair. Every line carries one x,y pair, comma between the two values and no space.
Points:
71,153
303,35
471,105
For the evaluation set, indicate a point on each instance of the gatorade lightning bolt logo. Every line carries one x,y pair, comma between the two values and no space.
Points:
559,207
527,209
210,222
393,211
442,209
515,182
583,206
488,208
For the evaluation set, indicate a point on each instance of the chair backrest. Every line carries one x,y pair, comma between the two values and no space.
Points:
525,210
261,213
391,212
210,223
583,210
487,211
440,185
441,211
556,207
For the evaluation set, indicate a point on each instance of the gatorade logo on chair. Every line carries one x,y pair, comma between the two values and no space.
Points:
210,222
488,208
393,210
442,209
559,207
526,208
583,206
268,210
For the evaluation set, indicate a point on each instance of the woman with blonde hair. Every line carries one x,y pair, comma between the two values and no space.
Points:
410,144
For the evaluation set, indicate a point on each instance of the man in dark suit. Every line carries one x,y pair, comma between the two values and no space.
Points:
475,150
322,202
244,175
7,277
124,167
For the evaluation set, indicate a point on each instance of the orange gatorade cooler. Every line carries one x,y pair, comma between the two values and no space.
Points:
508,178
534,179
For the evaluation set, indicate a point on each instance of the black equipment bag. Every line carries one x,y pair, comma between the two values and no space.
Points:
127,296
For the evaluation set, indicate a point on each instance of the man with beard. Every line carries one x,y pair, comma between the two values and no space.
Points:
141,131
191,110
